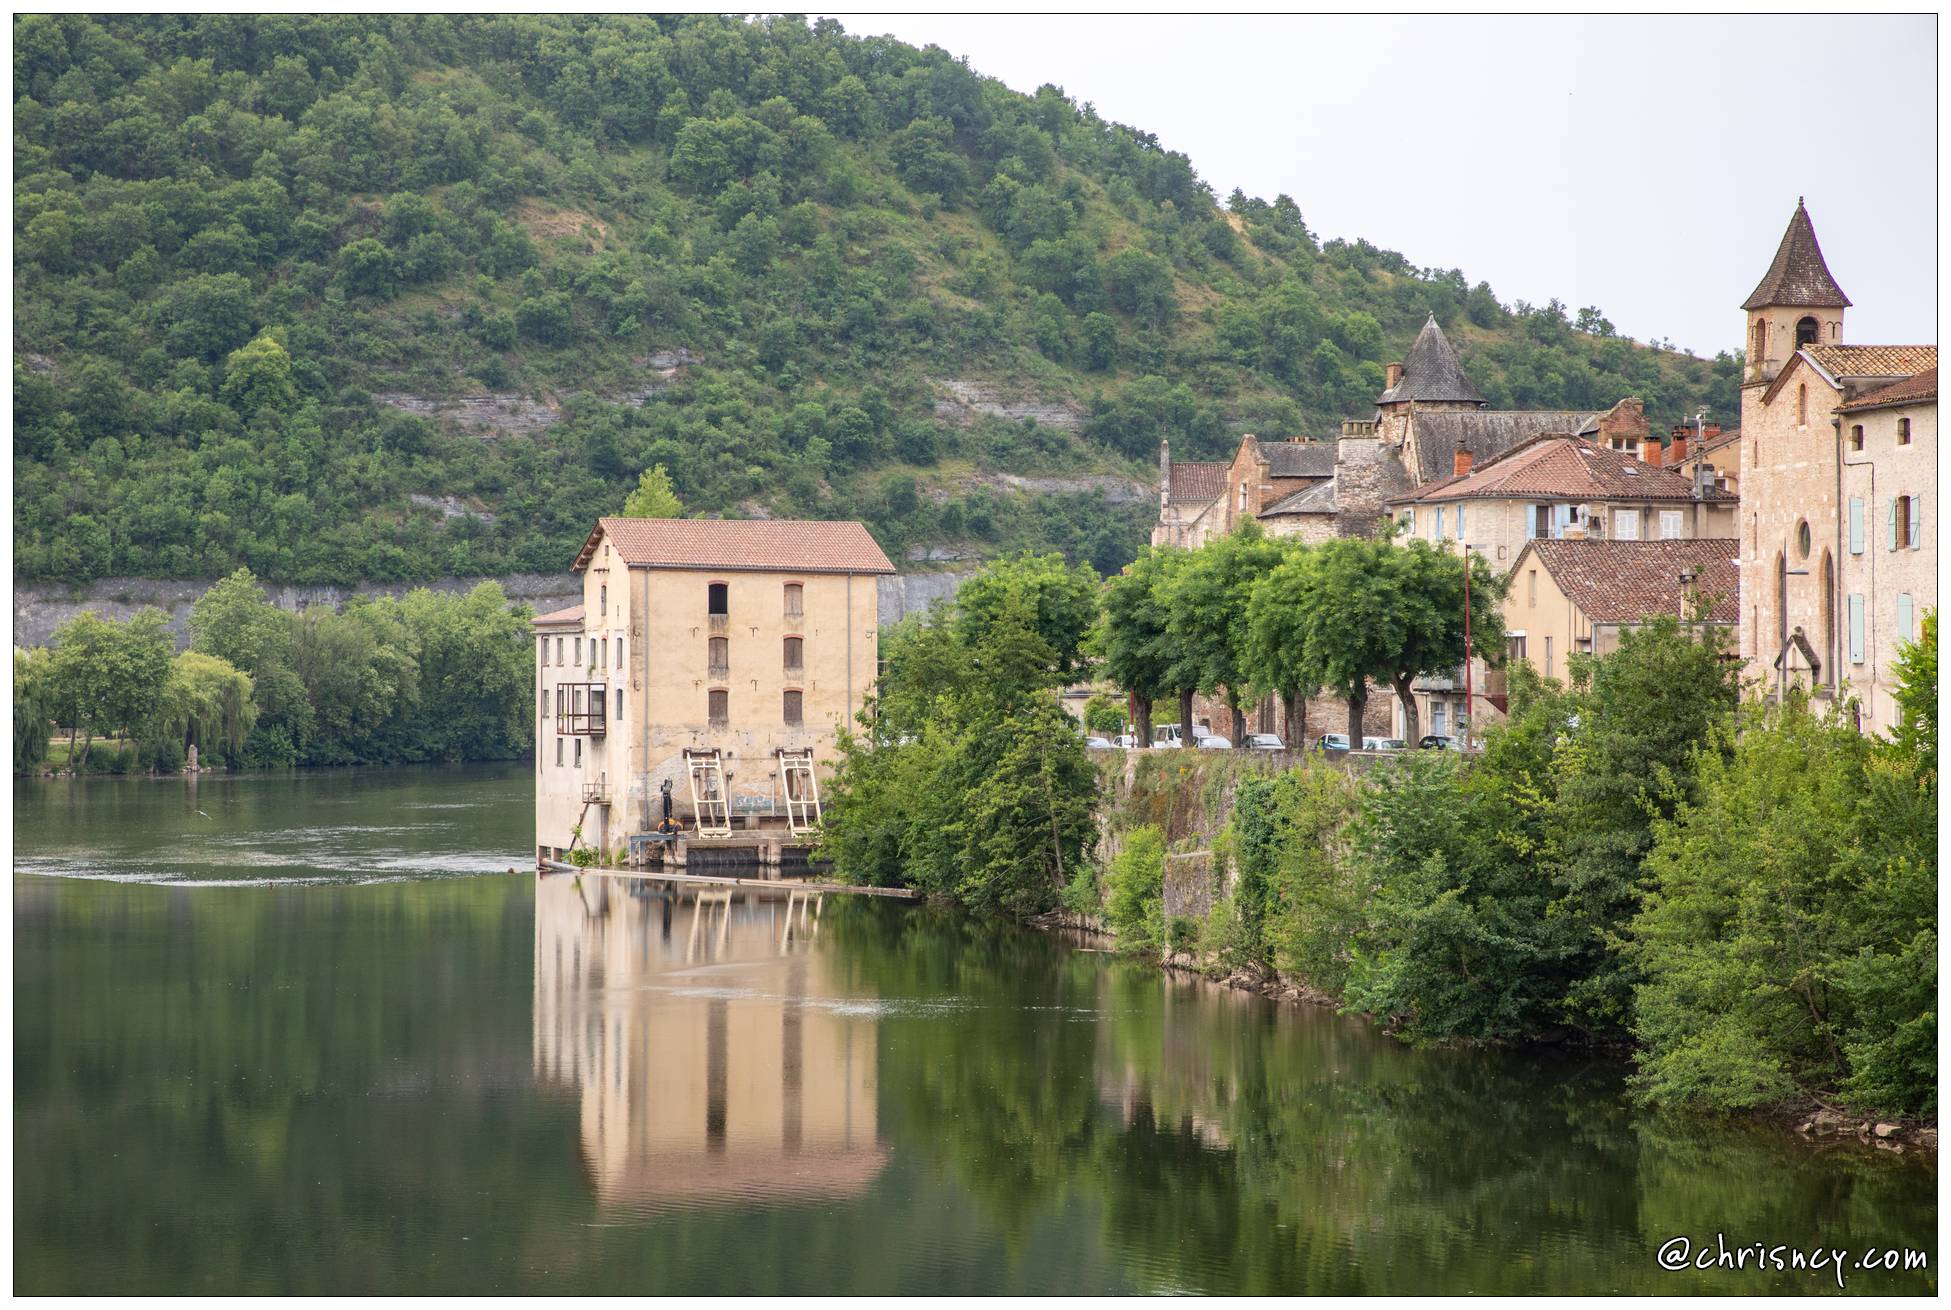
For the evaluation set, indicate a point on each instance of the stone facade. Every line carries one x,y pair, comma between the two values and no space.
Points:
1888,574
779,659
1829,577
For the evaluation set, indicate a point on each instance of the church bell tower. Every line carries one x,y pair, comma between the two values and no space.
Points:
1796,304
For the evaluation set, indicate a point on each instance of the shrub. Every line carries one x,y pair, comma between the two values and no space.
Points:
1136,903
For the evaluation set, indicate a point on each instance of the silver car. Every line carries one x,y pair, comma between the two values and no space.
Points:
1265,741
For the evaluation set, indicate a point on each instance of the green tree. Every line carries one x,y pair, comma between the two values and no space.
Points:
206,702
654,497
35,705
1207,612
1428,606
108,677
258,377
1061,601
1133,640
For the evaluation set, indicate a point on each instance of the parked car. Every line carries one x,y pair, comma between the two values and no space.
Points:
1127,741
1265,741
1383,743
1433,742
1332,741
1099,744
1212,741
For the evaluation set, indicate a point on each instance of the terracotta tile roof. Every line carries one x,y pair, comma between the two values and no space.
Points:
1627,581
762,545
1198,480
1872,361
574,614
1299,459
1913,390
1564,468
1799,275
1431,371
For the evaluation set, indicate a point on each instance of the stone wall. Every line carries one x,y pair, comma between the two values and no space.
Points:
41,607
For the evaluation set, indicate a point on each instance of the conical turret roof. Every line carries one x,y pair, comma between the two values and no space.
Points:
1431,371
1798,276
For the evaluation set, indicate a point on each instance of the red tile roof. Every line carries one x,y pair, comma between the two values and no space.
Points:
1197,480
1872,361
1913,390
1627,581
574,614
1564,468
747,545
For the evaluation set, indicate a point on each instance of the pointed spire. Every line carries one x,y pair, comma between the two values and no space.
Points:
1798,276
1431,371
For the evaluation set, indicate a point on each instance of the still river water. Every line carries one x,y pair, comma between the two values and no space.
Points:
308,1034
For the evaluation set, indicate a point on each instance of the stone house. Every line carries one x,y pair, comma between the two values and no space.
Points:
1814,505
1574,597
1888,577
742,645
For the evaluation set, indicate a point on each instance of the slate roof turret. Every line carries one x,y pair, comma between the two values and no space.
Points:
1431,371
1799,276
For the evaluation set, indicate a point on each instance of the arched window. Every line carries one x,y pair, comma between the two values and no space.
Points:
1829,616
1808,332
1781,600
1760,348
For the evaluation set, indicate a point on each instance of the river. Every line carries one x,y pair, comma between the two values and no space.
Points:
307,1034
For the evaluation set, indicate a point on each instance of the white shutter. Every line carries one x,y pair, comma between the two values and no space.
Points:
1891,505
1855,525
1856,628
1670,527
1625,525
1916,522
1904,629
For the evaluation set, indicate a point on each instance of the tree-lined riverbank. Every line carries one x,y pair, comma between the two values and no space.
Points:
1741,893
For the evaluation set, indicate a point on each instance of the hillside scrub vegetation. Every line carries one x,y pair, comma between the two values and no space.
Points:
396,297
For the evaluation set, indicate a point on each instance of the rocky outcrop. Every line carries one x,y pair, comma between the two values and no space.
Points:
496,414
1116,490
963,399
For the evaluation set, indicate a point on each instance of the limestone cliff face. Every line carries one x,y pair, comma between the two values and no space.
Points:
40,607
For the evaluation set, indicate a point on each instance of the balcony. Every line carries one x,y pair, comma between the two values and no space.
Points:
598,792
580,709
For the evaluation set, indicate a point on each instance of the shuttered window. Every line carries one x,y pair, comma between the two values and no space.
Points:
1916,522
1856,628
1671,528
1892,523
1855,526
1625,525
1905,631
1439,523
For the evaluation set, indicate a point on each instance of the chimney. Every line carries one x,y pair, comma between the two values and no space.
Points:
1678,453
1649,451
1709,432
1460,462
1394,374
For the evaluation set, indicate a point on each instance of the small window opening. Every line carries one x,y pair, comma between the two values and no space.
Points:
795,710
717,601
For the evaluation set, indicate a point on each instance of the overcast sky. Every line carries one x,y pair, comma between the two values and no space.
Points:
1645,165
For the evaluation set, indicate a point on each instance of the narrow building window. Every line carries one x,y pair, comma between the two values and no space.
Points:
717,599
1900,522
579,650
795,600
1532,587
1856,524
619,704
603,601
558,752
619,652
795,654
558,650
1905,632
1459,523
1856,628
545,652
1517,647
1856,437
1439,523
794,709
1802,402
718,709
605,657
718,658
543,710
579,752
1547,657
1761,342
1903,432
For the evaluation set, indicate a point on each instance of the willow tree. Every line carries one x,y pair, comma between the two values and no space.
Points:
206,703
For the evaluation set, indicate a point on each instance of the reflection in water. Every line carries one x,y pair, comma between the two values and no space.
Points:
705,1073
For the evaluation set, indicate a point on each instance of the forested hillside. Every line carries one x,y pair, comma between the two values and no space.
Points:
395,297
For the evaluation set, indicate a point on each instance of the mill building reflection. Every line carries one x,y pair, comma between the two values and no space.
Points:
714,1055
